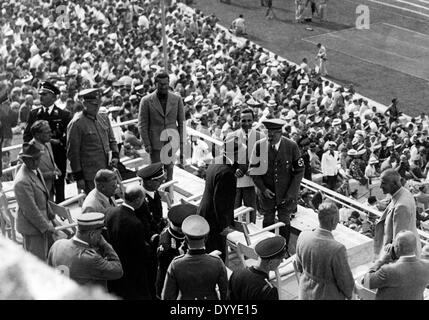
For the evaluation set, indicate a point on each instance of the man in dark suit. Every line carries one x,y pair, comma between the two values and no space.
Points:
172,241
34,220
322,261
161,120
195,275
58,121
217,204
277,169
126,234
403,279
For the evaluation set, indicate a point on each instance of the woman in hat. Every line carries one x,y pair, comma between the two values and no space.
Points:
357,167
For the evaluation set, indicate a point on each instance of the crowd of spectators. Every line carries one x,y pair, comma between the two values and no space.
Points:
117,46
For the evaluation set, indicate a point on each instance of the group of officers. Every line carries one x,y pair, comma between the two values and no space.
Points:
127,259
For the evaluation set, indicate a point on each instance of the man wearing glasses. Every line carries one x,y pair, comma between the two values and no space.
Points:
91,144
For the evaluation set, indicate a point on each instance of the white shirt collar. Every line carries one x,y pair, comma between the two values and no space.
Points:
151,194
128,206
277,145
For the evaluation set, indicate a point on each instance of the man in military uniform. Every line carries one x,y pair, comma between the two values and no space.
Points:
277,187
87,258
58,120
150,212
172,241
91,144
195,274
253,283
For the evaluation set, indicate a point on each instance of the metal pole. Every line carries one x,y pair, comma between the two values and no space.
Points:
164,37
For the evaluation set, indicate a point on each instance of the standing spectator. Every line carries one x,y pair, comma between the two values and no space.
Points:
58,120
126,235
88,257
25,109
399,274
322,261
41,132
217,204
299,10
172,241
91,145
247,135
35,216
278,186
322,57
392,111
252,283
399,215
161,121
330,160
323,7
195,274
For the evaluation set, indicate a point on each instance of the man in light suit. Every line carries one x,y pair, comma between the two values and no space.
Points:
330,161
247,136
404,279
161,118
34,220
399,215
41,132
101,197
322,261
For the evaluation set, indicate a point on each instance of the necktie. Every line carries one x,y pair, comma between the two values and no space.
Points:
247,148
112,202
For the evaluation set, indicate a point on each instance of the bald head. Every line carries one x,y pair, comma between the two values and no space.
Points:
390,181
134,195
405,243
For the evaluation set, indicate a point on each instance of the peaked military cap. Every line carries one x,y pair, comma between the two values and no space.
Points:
274,124
90,221
89,94
271,247
180,212
48,87
195,227
151,172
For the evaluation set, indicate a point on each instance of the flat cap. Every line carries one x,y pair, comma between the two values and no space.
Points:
89,94
30,150
195,227
274,124
352,152
180,212
90,221
271,247
151,172
48,87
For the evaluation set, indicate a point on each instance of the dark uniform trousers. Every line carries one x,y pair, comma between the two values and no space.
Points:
247,197
285,169
155,156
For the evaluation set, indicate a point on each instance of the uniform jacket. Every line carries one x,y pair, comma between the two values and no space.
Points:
217,204
126,234
399,215
284,170
405,279
252,136
153,121
47,166
89,142
85,264
32,196
170,246
322,260
251,284
58,120
150,214
194,276
95,201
